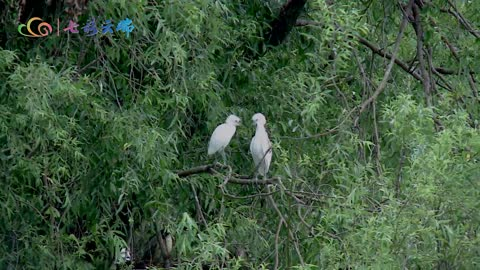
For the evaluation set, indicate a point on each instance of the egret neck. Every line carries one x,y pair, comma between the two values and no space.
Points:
261,132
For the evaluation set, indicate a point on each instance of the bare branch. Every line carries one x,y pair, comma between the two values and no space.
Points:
271,181
461,19
224,192
417,25
398,180
290,233
197,170
446,71
301,22
471,81
198,206
452,49
387,55
383,84
236,179
429,52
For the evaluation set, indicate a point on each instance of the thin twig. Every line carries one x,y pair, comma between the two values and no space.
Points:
429,52
290,233
377,141
228,176
294,197
330,131
461,19
399,174
277,237
302,219
263,158
199,207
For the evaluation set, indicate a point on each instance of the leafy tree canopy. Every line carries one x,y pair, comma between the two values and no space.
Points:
372,108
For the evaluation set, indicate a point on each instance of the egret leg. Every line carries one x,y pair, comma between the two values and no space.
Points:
224,156
258,170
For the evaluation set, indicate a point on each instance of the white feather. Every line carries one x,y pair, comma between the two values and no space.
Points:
223,134
169,243
260,146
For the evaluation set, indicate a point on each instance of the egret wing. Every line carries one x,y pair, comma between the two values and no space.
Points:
220,138
260,147
267,151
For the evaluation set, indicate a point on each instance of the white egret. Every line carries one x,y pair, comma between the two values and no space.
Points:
222,135
261,147
124,256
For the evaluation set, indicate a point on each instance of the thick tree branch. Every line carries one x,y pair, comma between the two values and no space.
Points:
199,169
239,181
282,25
446,71
236,179
279,28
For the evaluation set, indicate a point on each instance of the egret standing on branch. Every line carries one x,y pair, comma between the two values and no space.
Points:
222,135
261,147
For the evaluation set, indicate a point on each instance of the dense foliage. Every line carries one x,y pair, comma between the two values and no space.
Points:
93,131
